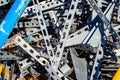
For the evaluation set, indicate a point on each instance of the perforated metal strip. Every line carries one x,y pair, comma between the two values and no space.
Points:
30,50
98,60
4,2
104,19
25,46
24,64
54,18
27,24
44,31
44,7
64,36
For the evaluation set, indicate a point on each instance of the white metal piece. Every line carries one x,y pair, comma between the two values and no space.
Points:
99,2
27,24
78,32
30,31
94,14
66,70
78,36
108,12
36,56
44,32
78,39
24,72
93,39
117,51
24,64
54,18
4,2
64,36
117,28
13,76
30,50
45,6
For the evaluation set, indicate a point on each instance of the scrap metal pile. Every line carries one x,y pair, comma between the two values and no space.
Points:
59,39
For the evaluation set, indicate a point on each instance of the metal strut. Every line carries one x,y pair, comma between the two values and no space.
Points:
32,52
104,19
44,31
98,60
65,33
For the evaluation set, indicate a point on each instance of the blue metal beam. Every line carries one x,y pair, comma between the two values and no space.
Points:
11,19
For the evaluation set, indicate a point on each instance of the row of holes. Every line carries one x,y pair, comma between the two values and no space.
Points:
2,2
48,5
33,24
53,72
34,9
32,51
27,24
44,62
98,60
29,10
67,25
45,34
64,33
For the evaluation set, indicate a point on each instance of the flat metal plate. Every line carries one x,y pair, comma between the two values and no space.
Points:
80,65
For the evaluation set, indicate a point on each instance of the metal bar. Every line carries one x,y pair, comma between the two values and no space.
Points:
32,52
64,36
44,6
104,19
98,60
11,19
44,32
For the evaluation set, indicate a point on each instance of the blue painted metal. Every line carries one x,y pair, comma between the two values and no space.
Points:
30,38
104,42
11,19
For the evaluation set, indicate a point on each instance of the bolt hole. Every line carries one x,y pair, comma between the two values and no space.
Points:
19,40
31,51
44,62
25,45
37,56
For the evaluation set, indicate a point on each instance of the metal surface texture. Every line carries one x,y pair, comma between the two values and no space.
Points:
59,39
